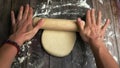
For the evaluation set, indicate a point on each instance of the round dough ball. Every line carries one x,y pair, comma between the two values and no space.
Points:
58,43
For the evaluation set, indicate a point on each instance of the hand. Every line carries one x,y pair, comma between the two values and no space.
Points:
92,29
22,26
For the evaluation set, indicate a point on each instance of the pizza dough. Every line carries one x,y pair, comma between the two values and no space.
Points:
57,24
57,39
58,43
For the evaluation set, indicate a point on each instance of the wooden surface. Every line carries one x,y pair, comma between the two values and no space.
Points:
81,56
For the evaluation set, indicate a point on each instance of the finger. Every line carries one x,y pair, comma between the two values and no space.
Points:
99,18
30,15
80,24
13,18
106,25
25,15
20,13
13,21
88,18
39,24
35,30
93,20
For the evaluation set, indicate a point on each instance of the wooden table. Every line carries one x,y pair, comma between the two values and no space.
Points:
81,56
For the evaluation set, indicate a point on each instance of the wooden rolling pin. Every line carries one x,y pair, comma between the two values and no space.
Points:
57,24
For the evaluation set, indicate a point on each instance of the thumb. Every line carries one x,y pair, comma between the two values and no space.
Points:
81,24
32,33
39,24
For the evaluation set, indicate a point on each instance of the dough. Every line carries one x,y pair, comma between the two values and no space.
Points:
57,24
57,39
58,43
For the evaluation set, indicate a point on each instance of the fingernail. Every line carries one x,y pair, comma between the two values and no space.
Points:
12,11
21,7
89,10
27,5
79,19
108,20
31,8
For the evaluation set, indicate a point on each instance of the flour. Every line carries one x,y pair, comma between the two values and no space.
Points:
115,58
83,3
111,34
109,43
49,1
21,59
43,7
23,54
46,9
56,13
23,50
109,38
100,1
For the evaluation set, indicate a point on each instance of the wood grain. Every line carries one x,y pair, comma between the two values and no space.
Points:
15,6
5,6
116,16
81,56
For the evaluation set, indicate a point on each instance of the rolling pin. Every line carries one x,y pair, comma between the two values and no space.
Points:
57,24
